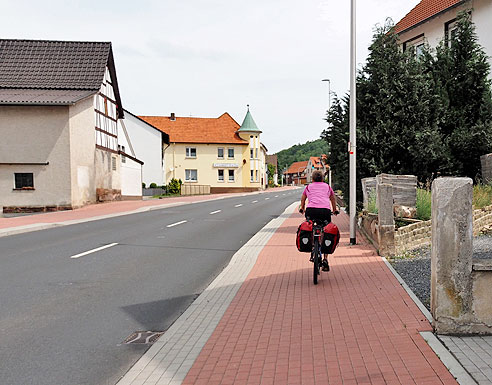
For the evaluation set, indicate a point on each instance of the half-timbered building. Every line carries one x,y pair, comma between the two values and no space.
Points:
59,108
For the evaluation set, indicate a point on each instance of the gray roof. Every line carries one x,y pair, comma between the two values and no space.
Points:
55,65
42,97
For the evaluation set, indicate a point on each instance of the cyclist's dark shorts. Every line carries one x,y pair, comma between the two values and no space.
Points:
318,213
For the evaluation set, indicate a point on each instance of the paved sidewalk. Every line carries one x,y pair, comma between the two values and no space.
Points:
21,224
474,353
357,326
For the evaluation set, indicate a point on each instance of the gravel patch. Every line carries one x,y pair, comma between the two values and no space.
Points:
414,266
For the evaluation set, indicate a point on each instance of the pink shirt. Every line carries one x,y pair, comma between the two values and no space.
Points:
318,195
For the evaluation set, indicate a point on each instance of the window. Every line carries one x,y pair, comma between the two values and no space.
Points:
191,152
230,153
220,175
191,175
450,31
24,180
220,153
417,44
231,175
256,153
123,158
251,153
113,163
256,178
251,176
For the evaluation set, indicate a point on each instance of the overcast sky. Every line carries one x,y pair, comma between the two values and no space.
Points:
205,57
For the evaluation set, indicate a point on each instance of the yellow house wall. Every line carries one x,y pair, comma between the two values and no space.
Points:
252,164
206,155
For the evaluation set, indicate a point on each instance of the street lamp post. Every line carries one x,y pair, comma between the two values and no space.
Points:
329,92
353,104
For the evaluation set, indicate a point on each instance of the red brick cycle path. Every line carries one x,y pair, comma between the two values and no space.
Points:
357,326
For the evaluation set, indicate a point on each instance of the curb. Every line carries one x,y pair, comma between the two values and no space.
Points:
172,356
446,357
44,225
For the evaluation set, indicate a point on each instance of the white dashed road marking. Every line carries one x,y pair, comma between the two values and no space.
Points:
254,201
239,205
93,251
215,212
175,224
276,196
267,199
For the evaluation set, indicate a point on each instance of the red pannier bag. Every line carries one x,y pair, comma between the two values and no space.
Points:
304,239
330,239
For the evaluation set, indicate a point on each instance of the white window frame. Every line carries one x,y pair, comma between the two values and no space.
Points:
218,152
251,153
229,174
189,151
417,43
449,28
218,175
229,153
256,175
251,176
188,175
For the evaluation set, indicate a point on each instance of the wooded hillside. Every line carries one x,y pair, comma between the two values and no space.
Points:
300,152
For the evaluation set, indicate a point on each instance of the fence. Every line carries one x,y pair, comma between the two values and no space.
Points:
195,189
150,192
404,188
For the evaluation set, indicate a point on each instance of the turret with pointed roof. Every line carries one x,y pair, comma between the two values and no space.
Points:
249,124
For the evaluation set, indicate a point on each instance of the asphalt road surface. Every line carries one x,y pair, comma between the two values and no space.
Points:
70,296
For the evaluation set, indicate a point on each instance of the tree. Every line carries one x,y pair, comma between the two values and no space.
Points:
461,72
270,173
337,135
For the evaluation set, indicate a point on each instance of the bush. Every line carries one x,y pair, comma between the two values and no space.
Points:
371,202
482,196
423,204
174,186
153,185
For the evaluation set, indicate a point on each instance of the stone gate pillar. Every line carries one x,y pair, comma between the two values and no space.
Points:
386,220
451,255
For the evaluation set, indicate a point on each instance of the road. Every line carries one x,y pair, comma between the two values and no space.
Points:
70,296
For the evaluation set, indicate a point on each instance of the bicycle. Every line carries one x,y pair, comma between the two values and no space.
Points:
316,254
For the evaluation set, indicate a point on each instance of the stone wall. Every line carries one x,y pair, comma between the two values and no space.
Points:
419,234
481,218
412,236
368,224
486,161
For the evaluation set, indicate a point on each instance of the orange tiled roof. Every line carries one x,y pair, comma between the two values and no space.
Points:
198,130
316,162
423,11
296,167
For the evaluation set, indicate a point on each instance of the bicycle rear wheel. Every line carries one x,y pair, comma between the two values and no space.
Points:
316,261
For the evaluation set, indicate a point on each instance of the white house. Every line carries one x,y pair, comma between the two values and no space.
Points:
59,108
145,142
432,21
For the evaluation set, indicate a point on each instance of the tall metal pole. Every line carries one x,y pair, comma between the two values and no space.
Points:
352,145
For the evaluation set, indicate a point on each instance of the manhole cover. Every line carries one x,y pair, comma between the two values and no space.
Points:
143,337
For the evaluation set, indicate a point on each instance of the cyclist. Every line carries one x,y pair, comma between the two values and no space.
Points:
321,203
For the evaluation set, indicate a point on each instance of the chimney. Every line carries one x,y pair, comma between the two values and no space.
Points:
173,116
